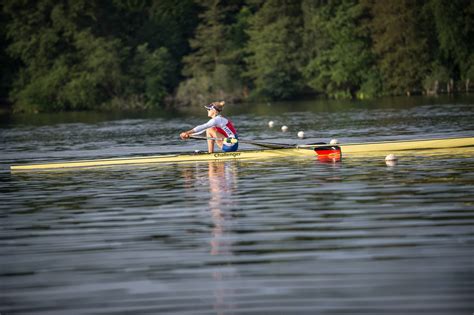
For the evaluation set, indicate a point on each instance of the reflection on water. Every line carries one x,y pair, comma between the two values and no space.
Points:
284,236
221,178
287,236
222,184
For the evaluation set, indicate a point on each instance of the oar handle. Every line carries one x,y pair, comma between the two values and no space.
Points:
228,140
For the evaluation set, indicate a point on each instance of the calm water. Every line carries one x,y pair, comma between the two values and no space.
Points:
286,236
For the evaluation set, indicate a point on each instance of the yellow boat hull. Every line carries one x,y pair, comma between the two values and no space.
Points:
391,146
221,156
347,149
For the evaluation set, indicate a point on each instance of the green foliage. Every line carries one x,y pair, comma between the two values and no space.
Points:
454,25
98,72
468,74
208,46
371,85
212,69
342,65
152,72
83,77
437,76
196,90
449,22
274,47
221,84
37,93
82,55
8,66
57,59
139,54
401,47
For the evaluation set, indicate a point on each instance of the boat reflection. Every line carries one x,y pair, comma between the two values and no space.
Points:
222,185
222,181
329,159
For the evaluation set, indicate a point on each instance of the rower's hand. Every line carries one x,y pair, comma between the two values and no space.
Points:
184,135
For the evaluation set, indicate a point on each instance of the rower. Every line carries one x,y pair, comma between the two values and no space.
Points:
219,130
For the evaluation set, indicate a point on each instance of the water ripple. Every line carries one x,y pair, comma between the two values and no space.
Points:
290,236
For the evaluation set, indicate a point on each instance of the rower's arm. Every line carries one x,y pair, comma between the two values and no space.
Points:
211,123
198,129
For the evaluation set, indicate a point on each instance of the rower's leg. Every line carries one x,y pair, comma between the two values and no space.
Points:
212,133
210,142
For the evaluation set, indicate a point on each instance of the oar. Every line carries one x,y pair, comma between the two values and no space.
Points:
268,145
257,143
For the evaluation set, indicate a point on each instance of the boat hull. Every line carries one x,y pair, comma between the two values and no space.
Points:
221,156
422,144
346,149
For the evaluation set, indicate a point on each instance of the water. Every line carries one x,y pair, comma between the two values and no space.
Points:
288,236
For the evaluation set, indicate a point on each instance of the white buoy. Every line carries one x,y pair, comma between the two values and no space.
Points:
301,134
391,163
284,128
391,157
391,160
334,142
271,124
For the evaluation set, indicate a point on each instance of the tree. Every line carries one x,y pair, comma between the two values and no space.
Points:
153,70
212,68
454,25
8,65
342,64
81,55
64,65
275,55
438,75
399,44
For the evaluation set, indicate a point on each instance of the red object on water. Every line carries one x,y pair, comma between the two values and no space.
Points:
328,153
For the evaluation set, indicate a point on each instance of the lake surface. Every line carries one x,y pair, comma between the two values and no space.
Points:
285,236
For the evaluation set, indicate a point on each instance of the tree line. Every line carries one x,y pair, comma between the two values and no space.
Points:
141,54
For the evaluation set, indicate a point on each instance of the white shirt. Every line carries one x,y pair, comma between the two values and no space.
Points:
219,122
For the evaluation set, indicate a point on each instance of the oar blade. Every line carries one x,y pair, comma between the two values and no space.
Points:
328,153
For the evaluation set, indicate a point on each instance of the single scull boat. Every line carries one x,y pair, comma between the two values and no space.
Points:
321,150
